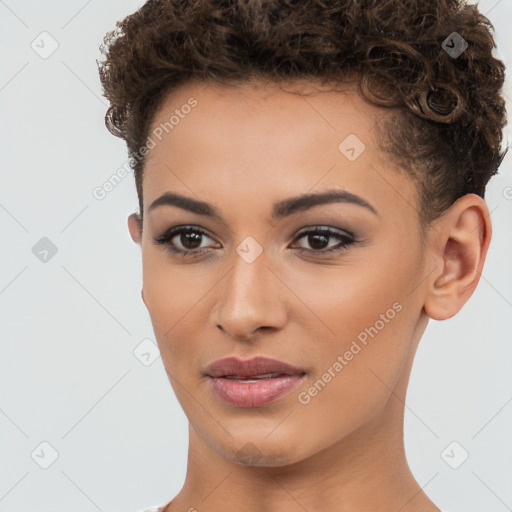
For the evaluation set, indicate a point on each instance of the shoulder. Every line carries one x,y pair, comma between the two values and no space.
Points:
157,508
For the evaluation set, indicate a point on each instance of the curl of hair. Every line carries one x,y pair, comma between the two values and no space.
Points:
449,113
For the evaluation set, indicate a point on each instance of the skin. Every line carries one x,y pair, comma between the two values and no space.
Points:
242,149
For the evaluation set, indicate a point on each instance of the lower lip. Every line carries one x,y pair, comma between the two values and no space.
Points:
242,393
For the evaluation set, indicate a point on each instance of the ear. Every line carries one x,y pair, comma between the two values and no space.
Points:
460,241
135,227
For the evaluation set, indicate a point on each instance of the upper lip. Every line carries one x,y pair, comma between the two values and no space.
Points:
232,366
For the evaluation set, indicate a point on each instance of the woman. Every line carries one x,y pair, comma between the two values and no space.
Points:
310,178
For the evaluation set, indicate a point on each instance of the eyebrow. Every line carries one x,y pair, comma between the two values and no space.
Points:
279,210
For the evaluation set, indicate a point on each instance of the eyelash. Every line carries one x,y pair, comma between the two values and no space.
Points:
346,239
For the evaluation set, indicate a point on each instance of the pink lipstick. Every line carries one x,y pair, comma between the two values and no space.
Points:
253,383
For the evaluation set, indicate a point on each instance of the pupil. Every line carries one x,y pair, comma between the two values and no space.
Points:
194,238
313,239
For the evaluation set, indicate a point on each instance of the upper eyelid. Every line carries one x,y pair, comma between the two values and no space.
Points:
330,230
301,231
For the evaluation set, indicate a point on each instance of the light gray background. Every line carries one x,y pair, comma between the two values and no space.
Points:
69,326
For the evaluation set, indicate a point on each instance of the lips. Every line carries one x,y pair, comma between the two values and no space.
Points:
254,383
256,368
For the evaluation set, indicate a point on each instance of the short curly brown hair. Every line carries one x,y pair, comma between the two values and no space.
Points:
449,114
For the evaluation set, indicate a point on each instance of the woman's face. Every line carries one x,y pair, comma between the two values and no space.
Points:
260,280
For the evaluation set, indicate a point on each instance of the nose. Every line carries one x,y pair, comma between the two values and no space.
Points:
251,298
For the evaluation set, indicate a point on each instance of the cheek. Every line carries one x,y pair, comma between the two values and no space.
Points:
343,300
172,297
357,366
360,311
365,325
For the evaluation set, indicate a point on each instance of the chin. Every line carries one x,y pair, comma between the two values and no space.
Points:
259,450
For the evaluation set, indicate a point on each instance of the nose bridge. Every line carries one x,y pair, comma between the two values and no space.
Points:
247,284
249,297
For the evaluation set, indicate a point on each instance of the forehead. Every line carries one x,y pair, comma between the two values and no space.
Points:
252,112
266,142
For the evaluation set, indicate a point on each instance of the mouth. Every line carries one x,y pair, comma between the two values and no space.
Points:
254,378
253,383
256,368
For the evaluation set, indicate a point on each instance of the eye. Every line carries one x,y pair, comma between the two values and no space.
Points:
318,239
188,240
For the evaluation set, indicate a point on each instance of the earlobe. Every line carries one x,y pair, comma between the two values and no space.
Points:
135,227
462,240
